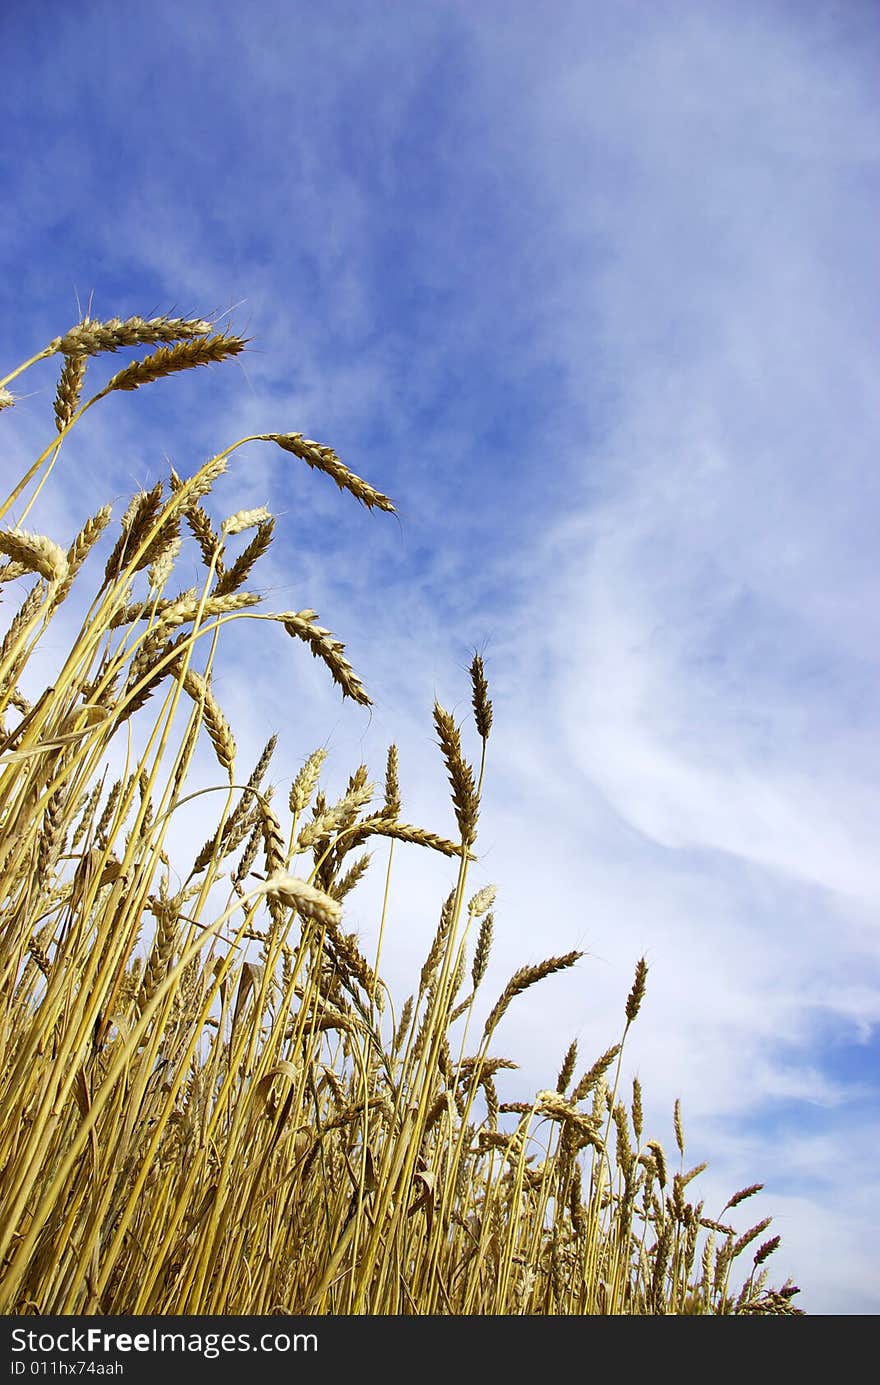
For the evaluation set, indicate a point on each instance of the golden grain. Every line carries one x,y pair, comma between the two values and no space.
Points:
302,625
298,894
405,832
35,553
89,337
306,781
595,1074
637,994
392,785
637,1113
742,1195
522,980
461,776
230,579
170,359
163,563
659,1161
679,1129
139,518
70,384
205,1113
321,458
566,1072
749,1236
273,839
482,901
766,1249
217,726
481,703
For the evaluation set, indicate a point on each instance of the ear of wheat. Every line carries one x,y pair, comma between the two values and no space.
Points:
210,1101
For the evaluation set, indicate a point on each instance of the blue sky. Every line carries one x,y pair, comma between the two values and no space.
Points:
592,292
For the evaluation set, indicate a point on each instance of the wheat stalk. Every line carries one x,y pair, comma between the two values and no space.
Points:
70,384
89,338
206,1111
461,776
322,458
170,359
522,980
303,625
35,553
217,726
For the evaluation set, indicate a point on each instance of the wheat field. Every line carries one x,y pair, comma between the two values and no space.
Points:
210,1102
